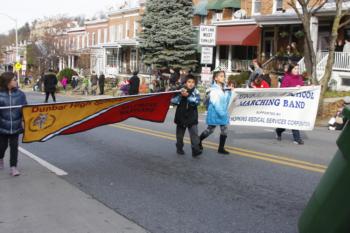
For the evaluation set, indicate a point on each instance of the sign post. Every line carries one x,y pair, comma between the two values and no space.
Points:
207,39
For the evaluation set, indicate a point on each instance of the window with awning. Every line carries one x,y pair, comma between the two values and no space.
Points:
221,4
246,35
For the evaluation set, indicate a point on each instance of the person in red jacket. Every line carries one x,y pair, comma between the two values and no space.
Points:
292,79
259,82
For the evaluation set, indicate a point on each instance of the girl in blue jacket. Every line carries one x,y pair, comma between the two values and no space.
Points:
10,119
219,100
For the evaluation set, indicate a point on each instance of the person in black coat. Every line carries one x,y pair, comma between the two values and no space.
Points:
50,83
101,83
186,115
10,118
134,84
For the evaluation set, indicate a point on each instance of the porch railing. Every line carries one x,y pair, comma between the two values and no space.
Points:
236,65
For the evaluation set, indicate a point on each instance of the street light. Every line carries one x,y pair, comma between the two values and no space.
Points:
14,20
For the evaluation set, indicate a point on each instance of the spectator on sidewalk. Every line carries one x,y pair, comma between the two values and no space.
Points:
134,84
259,82
10,119
50,83
94,80
143,87
64,83
257,71
186,116
124,87
101,83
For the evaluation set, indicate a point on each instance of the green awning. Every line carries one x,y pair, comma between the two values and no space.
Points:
231,4
201,8
221,4
214,5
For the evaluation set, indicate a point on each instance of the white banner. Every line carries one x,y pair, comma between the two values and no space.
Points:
288,108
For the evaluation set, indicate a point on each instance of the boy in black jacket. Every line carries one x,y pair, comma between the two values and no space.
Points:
187,115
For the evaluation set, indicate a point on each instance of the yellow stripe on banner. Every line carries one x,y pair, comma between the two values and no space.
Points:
238,151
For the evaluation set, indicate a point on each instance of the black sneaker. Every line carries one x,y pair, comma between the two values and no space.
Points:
180,151
299,142
223,151
279,138
195,154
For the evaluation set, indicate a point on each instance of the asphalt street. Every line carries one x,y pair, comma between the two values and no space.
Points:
133,168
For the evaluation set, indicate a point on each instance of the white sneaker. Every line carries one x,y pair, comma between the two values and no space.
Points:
14,171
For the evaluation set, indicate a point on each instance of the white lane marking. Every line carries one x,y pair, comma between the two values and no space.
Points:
42,162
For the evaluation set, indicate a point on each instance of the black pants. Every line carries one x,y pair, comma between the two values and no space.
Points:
180,133
102,89
47,96
296,133
5,140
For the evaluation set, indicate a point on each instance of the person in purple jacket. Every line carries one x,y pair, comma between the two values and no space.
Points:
292,79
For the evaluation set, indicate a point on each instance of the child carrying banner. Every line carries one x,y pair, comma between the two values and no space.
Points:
291,79
218,115
187,115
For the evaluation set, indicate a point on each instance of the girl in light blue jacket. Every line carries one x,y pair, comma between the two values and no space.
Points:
219,100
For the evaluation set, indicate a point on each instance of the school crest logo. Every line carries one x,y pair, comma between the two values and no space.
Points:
41,122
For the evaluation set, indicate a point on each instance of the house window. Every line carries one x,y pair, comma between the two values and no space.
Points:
256,9
105,35
99,36
217,16
83,41
345,82
136,28
93,41
278,5
127,24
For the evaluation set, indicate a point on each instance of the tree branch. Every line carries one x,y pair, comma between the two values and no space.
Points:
314,10
346,22
294,6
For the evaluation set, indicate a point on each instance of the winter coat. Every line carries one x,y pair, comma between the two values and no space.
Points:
101,80
50,82
64,82
186,112
218,106
134,84
11,119
94,80
291,80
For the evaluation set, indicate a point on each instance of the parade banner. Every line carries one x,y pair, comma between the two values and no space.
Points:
45,121
288,108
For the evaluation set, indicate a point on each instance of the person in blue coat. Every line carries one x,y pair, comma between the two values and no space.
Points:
10,118
219,101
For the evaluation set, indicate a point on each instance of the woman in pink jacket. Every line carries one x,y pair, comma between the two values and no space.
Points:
292,79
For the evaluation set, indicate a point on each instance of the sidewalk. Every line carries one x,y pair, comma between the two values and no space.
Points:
40,202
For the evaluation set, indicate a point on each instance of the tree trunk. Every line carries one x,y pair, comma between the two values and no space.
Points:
330,61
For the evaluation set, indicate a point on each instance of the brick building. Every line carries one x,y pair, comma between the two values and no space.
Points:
261,28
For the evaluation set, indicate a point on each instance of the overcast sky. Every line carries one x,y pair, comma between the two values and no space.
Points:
28,10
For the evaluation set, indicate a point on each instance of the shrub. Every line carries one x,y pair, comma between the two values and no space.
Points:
240,79
67,73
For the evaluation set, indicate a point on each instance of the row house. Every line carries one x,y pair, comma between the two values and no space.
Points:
122,52
265,29
109,45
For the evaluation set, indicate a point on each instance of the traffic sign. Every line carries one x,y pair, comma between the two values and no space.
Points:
207,55
18,66
207,35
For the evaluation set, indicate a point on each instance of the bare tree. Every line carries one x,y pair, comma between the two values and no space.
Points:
305,13
339,21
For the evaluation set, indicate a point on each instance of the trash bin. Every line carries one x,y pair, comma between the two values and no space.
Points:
328,210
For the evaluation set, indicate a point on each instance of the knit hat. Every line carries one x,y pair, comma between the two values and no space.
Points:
347,99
